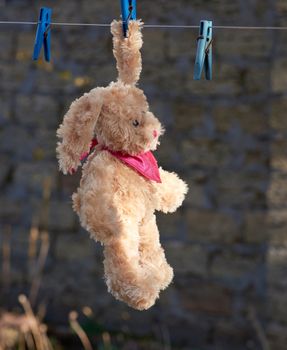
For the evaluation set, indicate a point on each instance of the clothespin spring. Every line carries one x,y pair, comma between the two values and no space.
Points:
47,30
130,11
208,46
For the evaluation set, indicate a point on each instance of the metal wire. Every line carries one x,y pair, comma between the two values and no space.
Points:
172,26
14,22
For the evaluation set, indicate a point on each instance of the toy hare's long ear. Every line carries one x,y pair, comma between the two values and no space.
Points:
77,129
127,50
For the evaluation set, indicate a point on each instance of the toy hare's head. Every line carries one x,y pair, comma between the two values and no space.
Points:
125,122
117,115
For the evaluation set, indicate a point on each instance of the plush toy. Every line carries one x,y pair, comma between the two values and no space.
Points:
121,185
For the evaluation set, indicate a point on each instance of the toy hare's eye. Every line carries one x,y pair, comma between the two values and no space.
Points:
136,123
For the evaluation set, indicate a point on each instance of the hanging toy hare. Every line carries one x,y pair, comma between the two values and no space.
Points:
121,185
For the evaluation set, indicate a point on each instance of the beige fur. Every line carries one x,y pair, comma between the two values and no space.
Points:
116,204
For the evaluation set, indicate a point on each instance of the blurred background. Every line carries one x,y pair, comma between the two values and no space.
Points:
226,138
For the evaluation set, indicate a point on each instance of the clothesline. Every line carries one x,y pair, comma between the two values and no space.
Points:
172,26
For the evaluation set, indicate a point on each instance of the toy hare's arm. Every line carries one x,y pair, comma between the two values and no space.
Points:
77,129
170,192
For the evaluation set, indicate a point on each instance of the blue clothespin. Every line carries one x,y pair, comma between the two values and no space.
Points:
128,12
204,51
43,34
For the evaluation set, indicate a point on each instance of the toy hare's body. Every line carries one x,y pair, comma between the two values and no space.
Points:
115,203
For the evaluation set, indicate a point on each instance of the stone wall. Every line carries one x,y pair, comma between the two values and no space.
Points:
226,138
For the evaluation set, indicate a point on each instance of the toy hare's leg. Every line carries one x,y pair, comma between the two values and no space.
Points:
127,279
152,254
96,216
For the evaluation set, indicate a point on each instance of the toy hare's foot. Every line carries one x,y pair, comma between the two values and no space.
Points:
143,301
137,297
155,262
139,293
172,191
127,278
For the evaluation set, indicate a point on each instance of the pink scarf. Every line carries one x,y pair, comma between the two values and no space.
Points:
144,163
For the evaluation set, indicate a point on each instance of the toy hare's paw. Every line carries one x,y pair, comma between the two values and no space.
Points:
172,191
167,276
68,162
